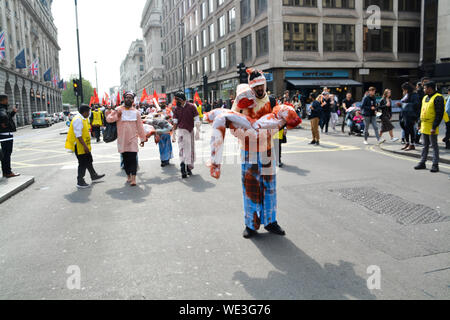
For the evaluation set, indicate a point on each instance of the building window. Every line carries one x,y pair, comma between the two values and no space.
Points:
222,26
232,54
339,4
203,10
410,5
212,58
247,48
260,6
220,2
262,42
339,37
232,20
223,58
300,3
408,41
378,40
300,37
211,33
385,5
211,6
205,65
204,38
246,13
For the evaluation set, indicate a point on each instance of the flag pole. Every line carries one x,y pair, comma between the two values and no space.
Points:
79,57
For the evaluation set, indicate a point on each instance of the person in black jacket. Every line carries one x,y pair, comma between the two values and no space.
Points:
314,117
369,107
7,127
409,115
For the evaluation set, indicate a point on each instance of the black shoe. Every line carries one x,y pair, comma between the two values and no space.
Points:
275,229
189,172
317,143
421,166
281,165
163,164
82,185
98,177
248,233
183,171
434,169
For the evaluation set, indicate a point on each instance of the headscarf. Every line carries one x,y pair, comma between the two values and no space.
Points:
180,95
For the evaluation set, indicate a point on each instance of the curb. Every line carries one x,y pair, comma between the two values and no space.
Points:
414,155
6,193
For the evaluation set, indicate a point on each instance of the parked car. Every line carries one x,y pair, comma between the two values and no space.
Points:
61,116
41,119
55,118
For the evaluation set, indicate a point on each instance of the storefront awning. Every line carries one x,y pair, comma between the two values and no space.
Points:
331,83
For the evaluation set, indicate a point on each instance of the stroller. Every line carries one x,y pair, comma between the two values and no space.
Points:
355,128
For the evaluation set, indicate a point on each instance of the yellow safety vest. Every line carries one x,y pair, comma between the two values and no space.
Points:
446,115
97,118
200,112
72,141
428,115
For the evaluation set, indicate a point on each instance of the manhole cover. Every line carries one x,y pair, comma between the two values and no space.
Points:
405,212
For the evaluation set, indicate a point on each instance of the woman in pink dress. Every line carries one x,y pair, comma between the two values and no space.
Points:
129,128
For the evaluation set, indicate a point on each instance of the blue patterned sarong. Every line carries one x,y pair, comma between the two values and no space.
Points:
259,185
165,147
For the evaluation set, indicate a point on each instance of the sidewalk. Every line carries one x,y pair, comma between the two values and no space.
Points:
396,147
11,187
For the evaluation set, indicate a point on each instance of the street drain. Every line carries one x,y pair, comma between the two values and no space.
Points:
405,212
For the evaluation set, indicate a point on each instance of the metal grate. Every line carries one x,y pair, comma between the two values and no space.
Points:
405,212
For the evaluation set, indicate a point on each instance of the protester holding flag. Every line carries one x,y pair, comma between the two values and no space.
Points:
129,128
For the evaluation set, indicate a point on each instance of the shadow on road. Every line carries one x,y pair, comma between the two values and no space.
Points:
296,170
137,194
79,196
300,277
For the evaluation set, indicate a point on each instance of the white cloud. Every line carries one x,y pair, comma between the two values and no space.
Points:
107,28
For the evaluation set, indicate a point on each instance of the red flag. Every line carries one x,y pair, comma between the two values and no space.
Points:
144,96
197,99
174,102
118,99
91,102
155,97
96,97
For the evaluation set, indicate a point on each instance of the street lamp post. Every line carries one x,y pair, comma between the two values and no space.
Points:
96,79
182,56
79,56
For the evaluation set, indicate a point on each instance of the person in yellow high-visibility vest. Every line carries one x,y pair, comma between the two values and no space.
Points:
431,116
97,121
79,141
447,120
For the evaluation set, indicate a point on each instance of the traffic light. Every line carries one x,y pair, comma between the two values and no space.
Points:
77,88
242,72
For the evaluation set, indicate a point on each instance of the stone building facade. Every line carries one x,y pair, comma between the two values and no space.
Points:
28,24
151,24
300,44
133,67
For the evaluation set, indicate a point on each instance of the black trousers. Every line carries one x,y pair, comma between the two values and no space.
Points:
410,132
325,120
96,132
85,162
130,163
7,150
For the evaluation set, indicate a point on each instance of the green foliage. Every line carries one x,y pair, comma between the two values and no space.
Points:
69,94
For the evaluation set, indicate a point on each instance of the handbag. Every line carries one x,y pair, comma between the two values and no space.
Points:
110,134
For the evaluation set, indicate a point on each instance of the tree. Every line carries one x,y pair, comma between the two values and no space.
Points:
69,94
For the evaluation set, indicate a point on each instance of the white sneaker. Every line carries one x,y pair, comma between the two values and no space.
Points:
394,139
366,143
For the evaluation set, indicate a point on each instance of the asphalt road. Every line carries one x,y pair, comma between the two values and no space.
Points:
346,208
